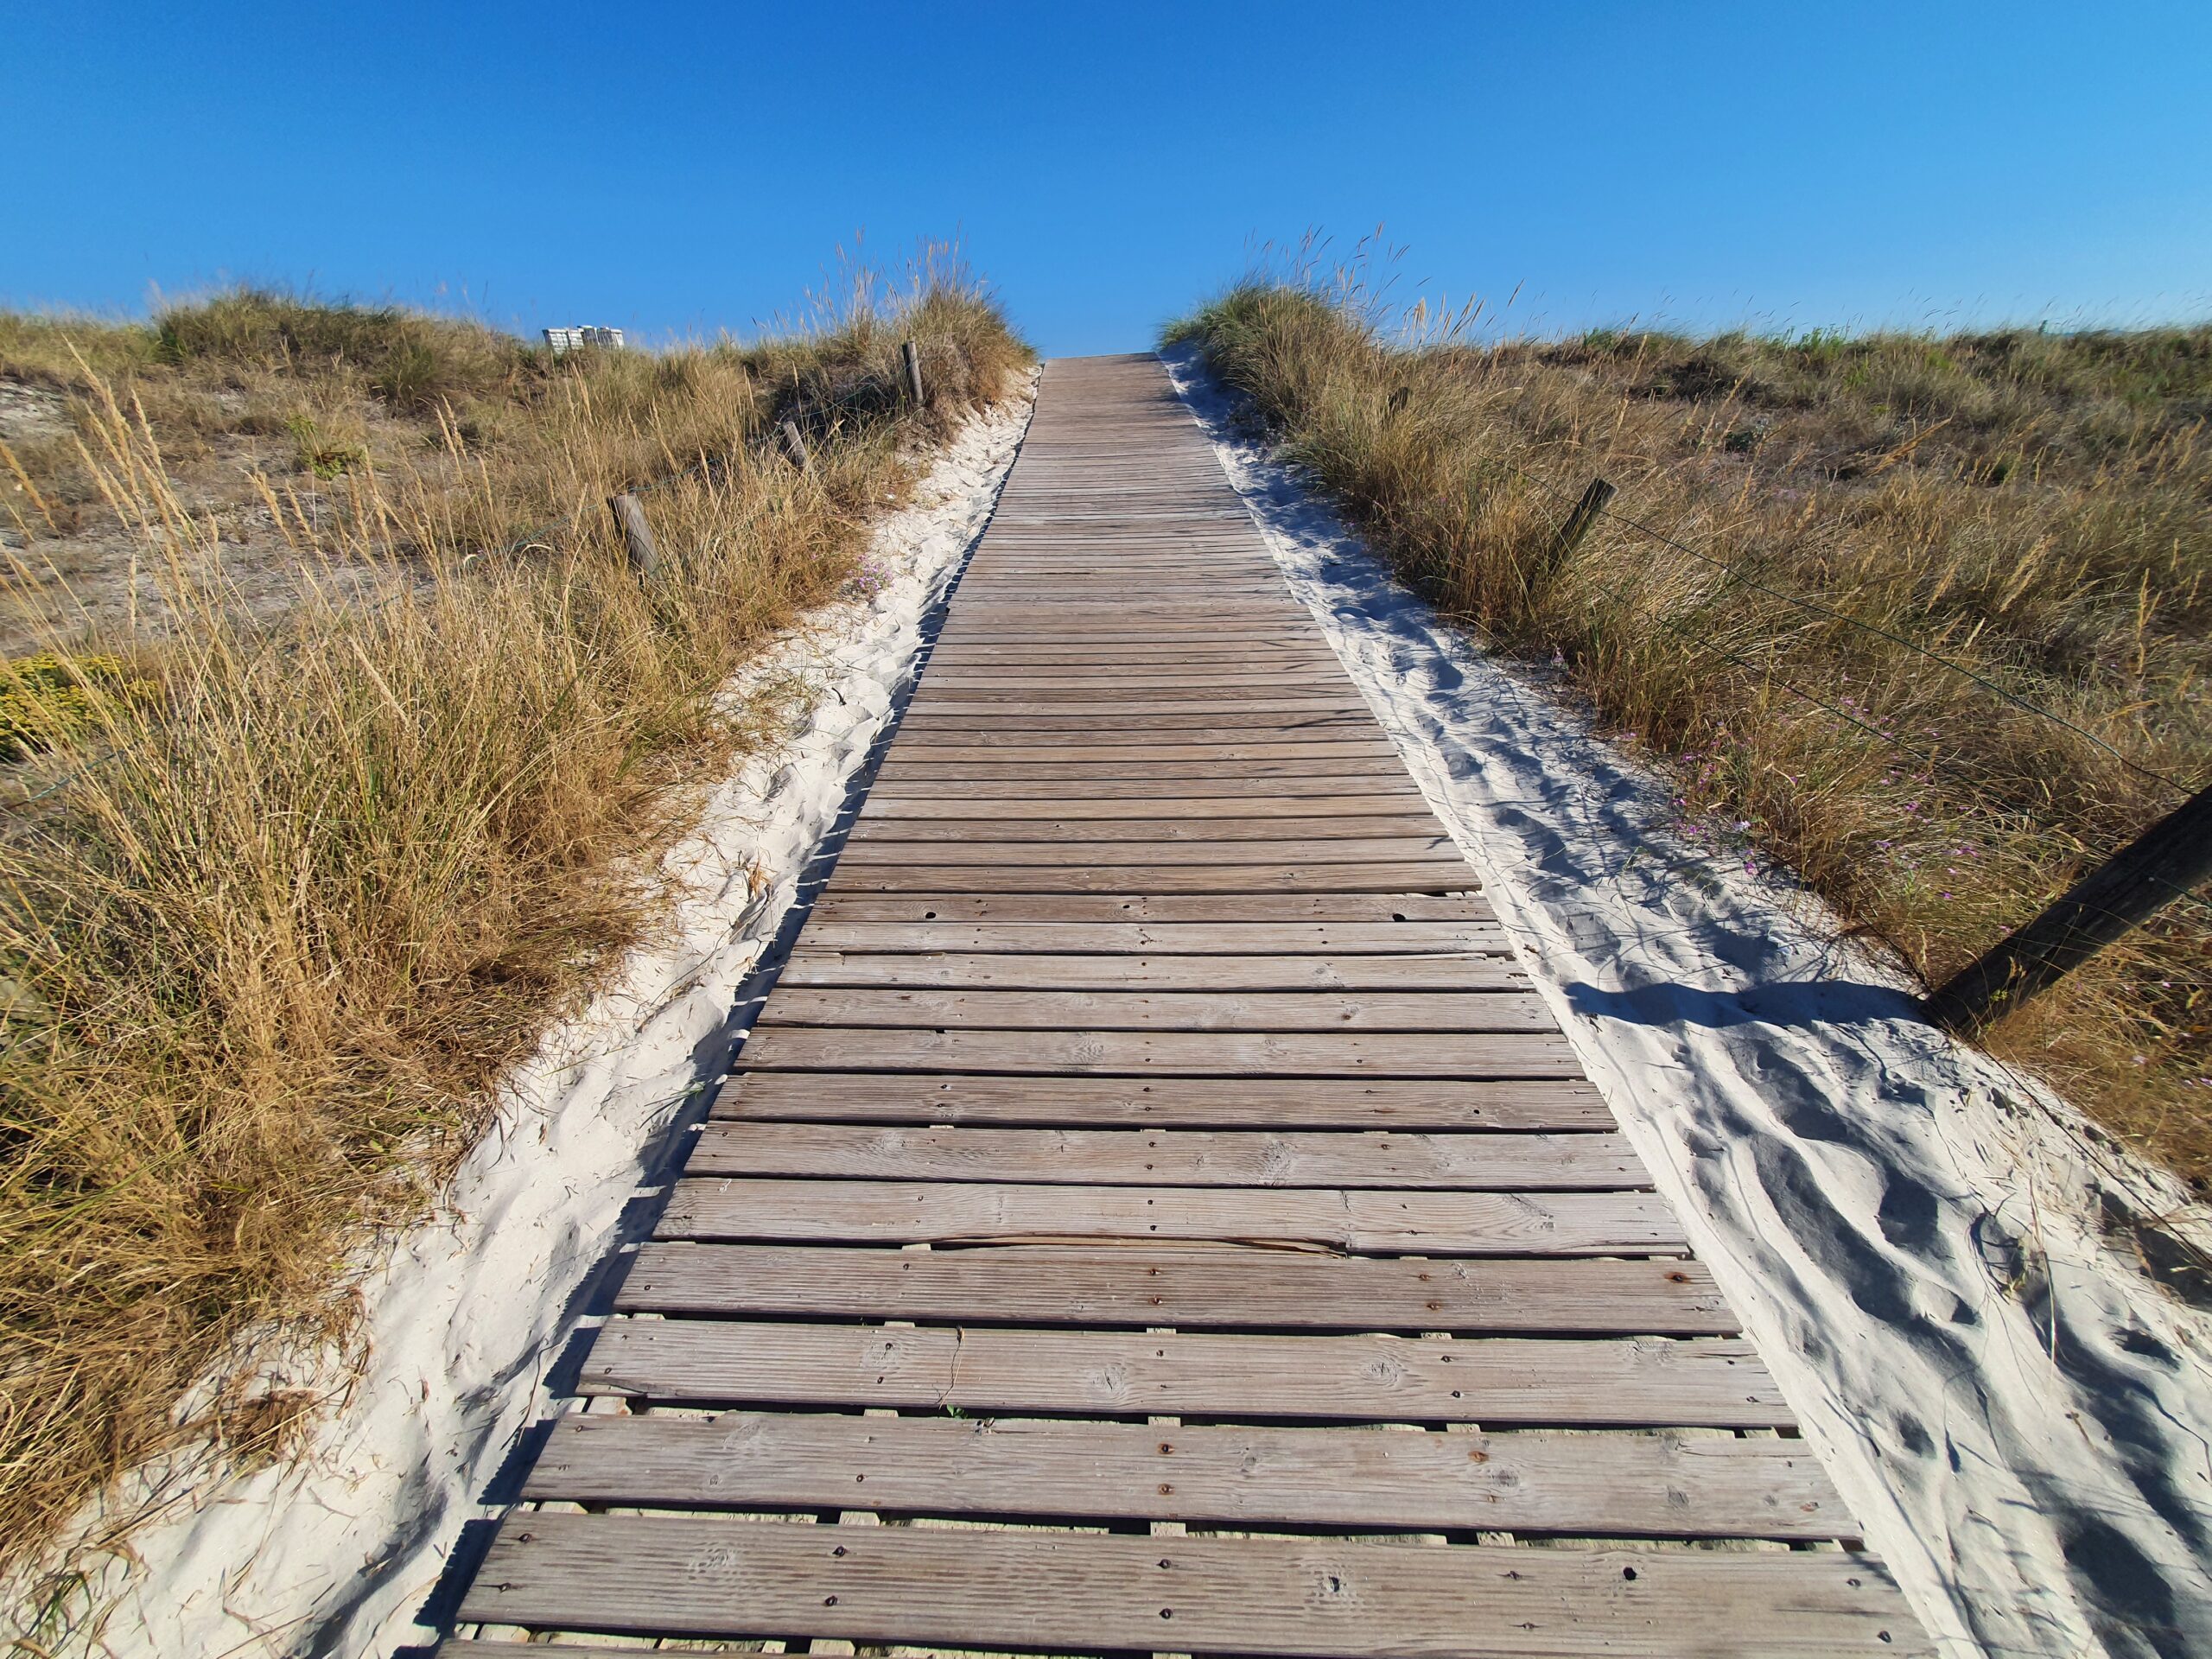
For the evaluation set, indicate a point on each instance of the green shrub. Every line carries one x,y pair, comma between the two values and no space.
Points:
48,701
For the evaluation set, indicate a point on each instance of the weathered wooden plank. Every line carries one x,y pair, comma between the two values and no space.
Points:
869,854
1053,681
1331,1598
1163,1054
1073,688
1189,1286
1173,725
1189,616
1032,578
1142,667
1695,1382
1128,646
1457,1012
1463,970
1298,651
1410,875
1250,942
1159,705
1166,692
1084,655
1221,1103
721,1208
1257,646
1080,555
1612,1485
1169,757
947,669
1316,668
1063,528
1159,515
892,815
1092,557
1048,545
1127,907
1066,537
1032,736
1113,746
1080,603
919,768
1085,586
1144,826
1011,587
1055,545
1035,735
1060,599
1369,794
1084,561
1131,649
1095,548
1477,1161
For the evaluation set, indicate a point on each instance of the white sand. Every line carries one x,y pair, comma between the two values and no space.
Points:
1915,1238
467,1317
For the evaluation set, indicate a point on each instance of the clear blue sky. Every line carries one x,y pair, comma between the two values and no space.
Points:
673,168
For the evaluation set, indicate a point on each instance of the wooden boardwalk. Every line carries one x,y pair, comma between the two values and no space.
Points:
1155,1214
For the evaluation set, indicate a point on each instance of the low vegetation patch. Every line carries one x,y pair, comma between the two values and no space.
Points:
1805,526
50,699
273,921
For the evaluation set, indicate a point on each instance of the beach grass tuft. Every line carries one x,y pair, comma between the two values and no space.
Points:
280,903
1925,619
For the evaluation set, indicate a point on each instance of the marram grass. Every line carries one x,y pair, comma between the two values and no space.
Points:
2035,508
273,922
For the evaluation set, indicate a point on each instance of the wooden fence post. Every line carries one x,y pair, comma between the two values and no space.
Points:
1579,521
914,360
795,446
637,534
2163,863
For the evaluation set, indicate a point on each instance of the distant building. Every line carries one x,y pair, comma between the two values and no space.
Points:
561,339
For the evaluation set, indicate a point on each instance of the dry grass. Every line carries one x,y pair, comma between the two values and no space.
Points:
2035,508
267,936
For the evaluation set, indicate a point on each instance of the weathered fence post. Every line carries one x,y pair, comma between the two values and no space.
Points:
637,534
914,361
1579,521
795,446
2163,863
